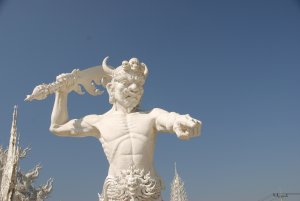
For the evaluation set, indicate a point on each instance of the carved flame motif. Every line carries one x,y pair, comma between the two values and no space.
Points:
132,185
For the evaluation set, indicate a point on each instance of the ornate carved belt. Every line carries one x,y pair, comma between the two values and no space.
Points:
133,184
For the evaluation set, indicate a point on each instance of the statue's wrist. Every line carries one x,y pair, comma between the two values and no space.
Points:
61,94
171,121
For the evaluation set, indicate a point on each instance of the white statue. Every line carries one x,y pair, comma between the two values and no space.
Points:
127,134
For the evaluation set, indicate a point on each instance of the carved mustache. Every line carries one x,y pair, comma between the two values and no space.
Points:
129,93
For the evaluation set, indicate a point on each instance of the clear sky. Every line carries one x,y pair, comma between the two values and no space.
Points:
233,64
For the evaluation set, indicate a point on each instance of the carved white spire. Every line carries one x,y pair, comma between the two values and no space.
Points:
177,188
15,185
9,175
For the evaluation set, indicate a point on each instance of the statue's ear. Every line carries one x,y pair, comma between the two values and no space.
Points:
109,88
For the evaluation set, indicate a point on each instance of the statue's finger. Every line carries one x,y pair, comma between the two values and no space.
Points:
184,137
198,132
188,117
188,123
199,122
181,134
199,128
195,131
180,131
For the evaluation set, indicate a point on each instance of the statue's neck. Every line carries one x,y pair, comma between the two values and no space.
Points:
121,109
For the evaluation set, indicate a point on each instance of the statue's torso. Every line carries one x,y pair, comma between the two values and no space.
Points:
127,140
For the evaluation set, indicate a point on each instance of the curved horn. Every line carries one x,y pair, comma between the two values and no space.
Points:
146,70
106,68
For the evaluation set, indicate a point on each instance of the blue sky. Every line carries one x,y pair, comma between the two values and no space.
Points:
234,64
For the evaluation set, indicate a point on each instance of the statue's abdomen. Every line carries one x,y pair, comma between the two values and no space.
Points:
128,140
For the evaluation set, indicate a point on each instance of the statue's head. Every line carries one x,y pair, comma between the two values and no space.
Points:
126,87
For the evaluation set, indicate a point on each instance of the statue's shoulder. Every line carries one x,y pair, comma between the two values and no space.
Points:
147,113
92,118
155,112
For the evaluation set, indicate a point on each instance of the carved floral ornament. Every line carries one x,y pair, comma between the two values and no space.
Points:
133,184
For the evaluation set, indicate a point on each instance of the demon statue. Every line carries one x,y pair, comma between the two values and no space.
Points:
126,133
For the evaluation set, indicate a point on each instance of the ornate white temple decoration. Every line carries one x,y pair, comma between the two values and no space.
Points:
15,185
9,166
177,188
132,185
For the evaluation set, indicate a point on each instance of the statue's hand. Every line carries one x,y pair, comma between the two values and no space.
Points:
68,82
186,127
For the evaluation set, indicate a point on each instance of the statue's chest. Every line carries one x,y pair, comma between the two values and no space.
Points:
116,126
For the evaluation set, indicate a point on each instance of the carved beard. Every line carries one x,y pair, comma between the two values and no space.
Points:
127,93
130,103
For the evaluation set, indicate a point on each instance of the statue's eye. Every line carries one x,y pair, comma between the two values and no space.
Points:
124,83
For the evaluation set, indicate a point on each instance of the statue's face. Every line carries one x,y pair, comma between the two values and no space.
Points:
127,91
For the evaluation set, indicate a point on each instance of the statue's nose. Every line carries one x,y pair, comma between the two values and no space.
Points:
133,87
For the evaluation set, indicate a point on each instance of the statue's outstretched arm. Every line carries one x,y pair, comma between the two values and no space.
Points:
183,126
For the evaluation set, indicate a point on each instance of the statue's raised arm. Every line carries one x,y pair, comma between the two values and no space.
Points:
64,84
